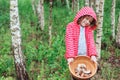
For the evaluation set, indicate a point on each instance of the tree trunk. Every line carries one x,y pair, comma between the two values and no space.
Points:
67,3
16,41
34,7
118,32
113,18
40,13
92,3
87,2
99,29
97,6
73,6
77,5
50,23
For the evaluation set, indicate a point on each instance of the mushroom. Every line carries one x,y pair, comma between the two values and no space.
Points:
87,71
86,75
81,71
82,75
82,65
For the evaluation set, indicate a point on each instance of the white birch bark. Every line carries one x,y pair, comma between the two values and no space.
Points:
97,6
87,2
99,29
73,5
77,4
67,3
50,23
118,32
113,18
40,13
16,41
91,4
34,7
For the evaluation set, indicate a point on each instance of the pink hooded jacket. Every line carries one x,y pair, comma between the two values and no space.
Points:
73,32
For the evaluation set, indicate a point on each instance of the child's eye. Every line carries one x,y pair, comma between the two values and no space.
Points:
90,20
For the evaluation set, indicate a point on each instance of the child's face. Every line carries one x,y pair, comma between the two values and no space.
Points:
86,21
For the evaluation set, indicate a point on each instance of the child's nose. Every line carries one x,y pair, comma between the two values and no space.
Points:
88,22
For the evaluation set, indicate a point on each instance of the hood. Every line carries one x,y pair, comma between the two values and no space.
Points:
85,11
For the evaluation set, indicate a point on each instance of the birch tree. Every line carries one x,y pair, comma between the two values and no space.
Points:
118,32
34,7
113,18
67,3
92,3
50,22
75,6
16,41
87,2
38,9
99,29
40,13
97,6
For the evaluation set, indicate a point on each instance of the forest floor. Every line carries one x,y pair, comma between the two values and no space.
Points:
109,69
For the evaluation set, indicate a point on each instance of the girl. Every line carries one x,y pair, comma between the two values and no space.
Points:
79,35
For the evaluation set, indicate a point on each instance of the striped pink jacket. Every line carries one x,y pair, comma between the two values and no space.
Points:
73,32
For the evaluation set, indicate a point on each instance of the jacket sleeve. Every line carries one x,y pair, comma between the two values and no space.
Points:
69,42
92,47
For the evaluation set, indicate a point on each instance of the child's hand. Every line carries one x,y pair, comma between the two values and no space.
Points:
93,58
70,60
